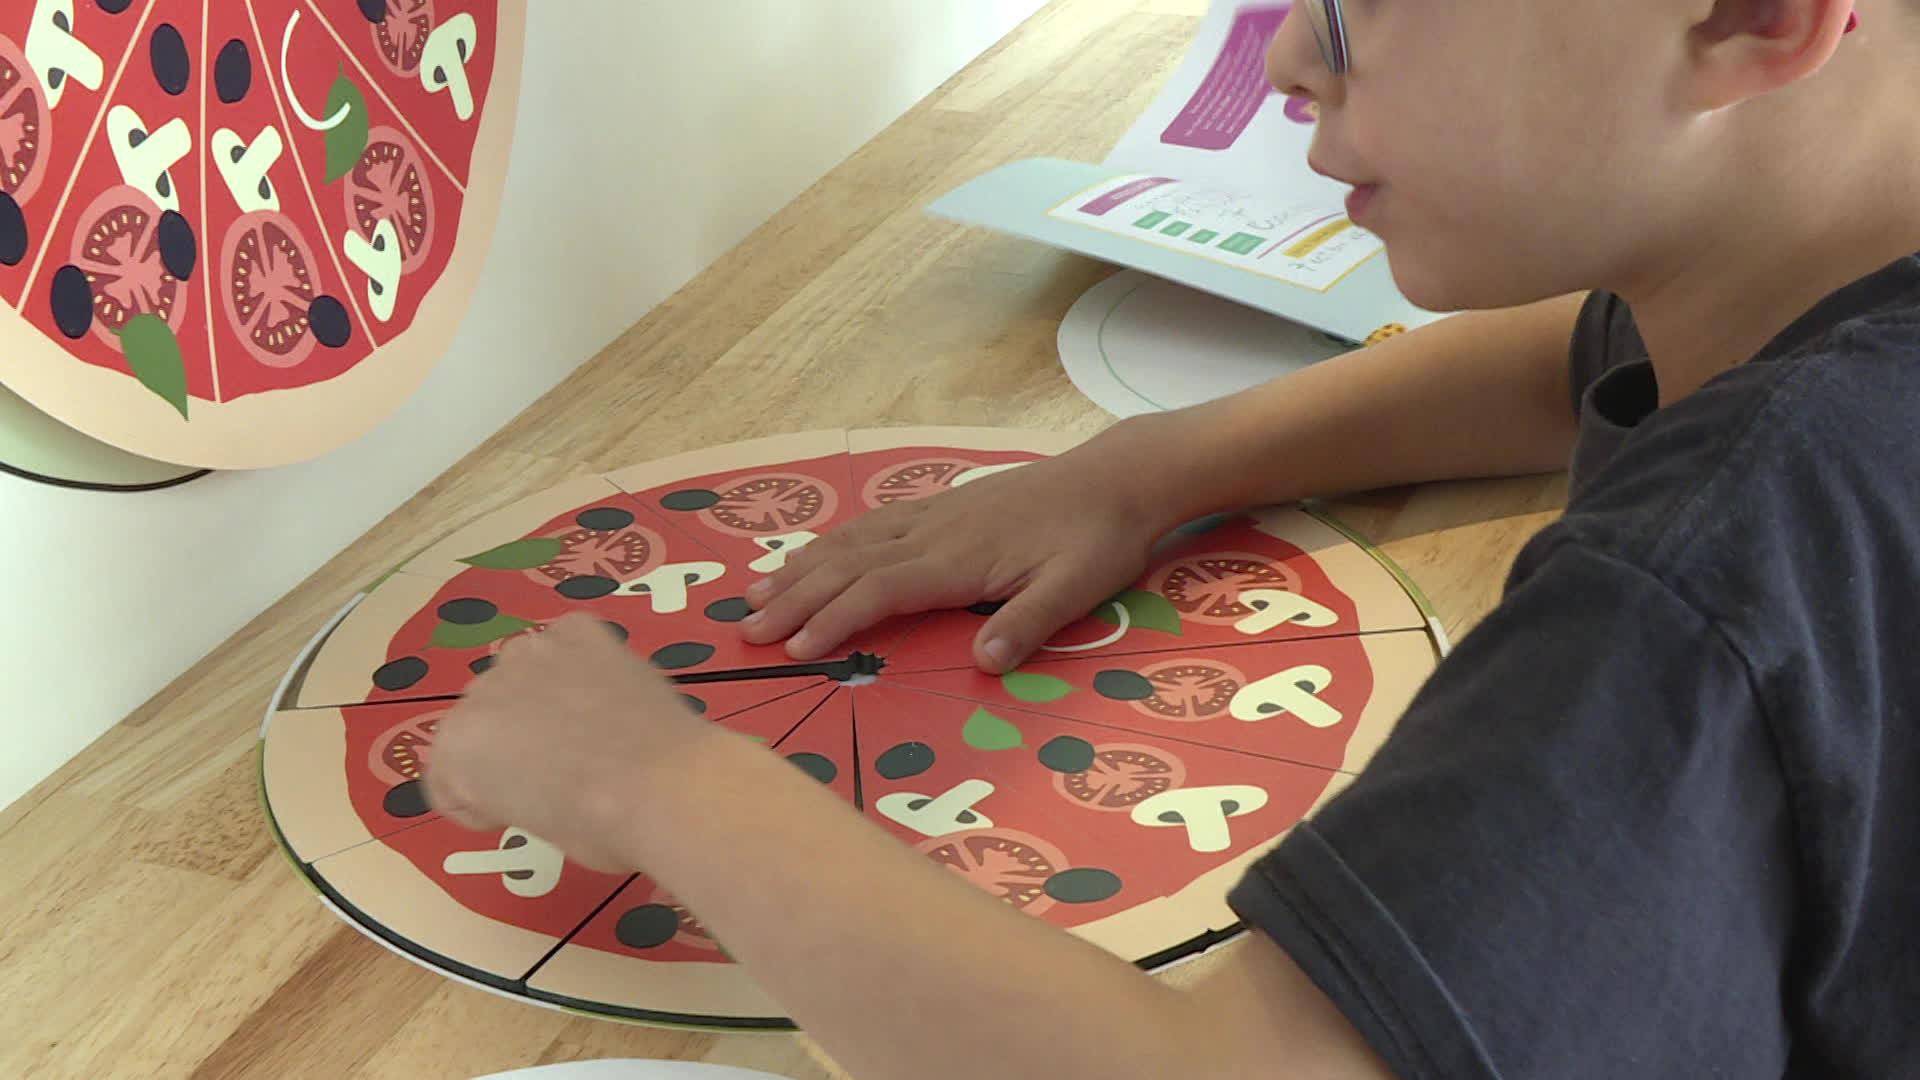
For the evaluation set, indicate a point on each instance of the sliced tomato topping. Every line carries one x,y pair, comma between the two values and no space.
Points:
1121,777
1013,866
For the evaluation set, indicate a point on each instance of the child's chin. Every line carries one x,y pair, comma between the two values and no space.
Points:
1429,287
1448,283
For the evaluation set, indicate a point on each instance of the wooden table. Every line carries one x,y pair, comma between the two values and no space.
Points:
148,926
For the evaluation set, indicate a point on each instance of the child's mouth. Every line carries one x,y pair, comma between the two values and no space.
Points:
1358,202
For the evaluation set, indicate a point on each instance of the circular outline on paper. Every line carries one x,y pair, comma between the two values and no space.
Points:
1083,335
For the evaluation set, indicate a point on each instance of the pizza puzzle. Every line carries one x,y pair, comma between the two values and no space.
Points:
1115,786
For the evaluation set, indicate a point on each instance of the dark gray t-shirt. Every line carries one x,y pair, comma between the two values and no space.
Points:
1659,814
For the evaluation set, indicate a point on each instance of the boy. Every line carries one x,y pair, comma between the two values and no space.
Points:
1654,817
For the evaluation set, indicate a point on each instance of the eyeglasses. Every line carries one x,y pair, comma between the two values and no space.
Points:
1330,30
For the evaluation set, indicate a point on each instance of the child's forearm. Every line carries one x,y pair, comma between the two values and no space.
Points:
1477,394
890,962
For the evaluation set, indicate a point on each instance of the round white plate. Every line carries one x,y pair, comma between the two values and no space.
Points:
1136,343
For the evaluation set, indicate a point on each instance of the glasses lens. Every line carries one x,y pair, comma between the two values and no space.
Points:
1320,18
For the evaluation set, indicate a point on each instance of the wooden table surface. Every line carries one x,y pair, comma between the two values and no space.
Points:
148,925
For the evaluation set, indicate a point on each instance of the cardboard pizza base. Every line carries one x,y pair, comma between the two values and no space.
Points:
307,750
284,427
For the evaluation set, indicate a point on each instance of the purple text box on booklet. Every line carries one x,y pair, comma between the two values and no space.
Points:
1234,89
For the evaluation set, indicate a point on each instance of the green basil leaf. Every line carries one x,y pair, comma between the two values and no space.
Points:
1032,687
470,636
985,731
517,554
1146,610
347,140
154,356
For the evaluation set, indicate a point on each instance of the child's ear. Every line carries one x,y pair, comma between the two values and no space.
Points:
1745,48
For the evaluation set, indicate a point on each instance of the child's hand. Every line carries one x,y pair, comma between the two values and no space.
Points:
556,737
1053,539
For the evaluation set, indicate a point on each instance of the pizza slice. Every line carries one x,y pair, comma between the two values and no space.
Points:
386,210
582,528
647,956
285,313
414,636
1127,840
429,61
486,904
906,464
748,706
60,61
822,746
122,276
1327,702
338,778
351,664
1267,575
753,503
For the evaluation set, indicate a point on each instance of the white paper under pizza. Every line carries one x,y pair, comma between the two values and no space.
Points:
1137,343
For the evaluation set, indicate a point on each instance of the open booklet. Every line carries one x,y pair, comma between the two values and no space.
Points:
1210,188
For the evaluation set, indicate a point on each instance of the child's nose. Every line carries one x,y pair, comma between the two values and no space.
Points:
1294,64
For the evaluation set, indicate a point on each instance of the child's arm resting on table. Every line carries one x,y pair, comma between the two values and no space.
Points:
889,962
1579,850
1478,394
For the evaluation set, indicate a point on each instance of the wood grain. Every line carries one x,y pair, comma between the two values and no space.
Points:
151,928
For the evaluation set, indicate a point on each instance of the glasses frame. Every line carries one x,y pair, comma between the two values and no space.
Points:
1329,23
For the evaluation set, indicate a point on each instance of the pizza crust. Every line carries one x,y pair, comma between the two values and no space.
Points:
386,888
308,801
342,670
1189,915
1380,602
441,560
1401,663
709,990
768,450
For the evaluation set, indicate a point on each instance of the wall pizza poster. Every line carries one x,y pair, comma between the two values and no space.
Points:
237,235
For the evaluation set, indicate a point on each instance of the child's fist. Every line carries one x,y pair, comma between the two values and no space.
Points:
557,738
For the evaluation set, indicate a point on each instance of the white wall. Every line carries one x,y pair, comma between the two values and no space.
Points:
728,109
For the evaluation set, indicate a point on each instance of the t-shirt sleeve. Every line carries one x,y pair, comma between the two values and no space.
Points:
1605,335
1573,857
